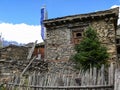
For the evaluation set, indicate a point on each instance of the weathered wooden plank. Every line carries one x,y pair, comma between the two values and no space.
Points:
117,80
31,50
68,87
112,73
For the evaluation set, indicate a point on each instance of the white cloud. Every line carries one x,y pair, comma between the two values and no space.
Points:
114,6
21,33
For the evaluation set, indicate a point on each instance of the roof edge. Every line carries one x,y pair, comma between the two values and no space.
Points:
114,11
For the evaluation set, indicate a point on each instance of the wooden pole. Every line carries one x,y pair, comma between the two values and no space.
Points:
28,66
31,51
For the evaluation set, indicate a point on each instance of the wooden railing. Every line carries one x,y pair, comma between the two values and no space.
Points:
92,87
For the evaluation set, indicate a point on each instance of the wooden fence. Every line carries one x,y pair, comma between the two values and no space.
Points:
93,79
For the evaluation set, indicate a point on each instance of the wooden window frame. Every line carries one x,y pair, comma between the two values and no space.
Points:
76,39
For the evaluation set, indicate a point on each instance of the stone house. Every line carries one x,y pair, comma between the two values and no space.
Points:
118,41
13,59
13,52
64,33
38,50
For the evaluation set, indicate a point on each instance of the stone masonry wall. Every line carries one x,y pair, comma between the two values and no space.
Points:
13,59
58,45
107,36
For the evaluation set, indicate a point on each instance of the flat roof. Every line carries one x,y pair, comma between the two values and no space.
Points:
73,18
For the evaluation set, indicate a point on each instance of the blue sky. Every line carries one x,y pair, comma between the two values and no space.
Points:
27,12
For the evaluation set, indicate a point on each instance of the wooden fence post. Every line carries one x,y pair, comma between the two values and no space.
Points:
117,79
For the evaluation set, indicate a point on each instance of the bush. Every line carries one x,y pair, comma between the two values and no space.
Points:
90,52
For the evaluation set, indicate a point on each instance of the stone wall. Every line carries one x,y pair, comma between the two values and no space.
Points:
107,35
13,59
14,52
58,46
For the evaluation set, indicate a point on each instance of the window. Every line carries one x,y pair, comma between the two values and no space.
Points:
117,41
118,51
77,36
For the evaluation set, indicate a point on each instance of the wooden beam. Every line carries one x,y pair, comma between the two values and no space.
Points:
31,50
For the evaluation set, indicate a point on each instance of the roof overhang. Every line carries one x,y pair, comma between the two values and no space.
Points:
81,17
